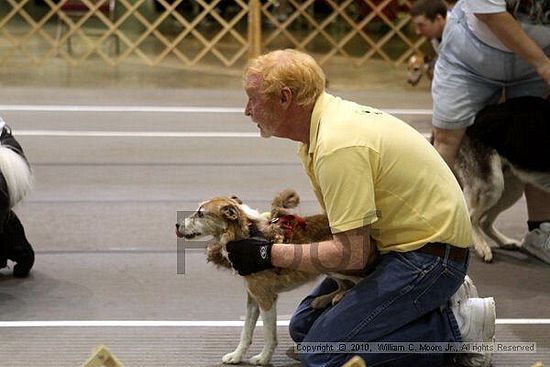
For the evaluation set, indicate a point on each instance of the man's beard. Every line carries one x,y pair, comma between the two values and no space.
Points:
273,118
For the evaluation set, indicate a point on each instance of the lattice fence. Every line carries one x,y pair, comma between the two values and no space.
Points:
195,32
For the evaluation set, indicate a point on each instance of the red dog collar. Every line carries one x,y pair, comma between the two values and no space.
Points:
288,223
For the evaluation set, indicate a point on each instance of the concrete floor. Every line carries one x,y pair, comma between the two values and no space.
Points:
102,213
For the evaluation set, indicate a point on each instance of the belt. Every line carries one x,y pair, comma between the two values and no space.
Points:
438,249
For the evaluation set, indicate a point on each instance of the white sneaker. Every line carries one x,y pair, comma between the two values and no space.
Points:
476,321
466,290
537,242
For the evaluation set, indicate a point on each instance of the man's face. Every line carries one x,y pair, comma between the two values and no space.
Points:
428,28
261,109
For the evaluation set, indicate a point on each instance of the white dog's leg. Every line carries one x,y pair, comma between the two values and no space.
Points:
513,189
477,212
481,195
269,318
252,313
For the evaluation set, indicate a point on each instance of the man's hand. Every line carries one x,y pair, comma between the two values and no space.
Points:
250,255
544,71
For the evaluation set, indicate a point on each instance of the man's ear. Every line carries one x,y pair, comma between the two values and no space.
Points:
230,212
286,97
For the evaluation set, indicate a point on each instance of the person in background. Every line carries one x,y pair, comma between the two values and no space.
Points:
429,18
488,46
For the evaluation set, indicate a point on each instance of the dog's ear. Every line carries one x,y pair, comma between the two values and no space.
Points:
237,199
230,212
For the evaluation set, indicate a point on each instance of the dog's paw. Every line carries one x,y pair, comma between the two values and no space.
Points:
260,359
338,297
232,358
483,250
485,253
511,245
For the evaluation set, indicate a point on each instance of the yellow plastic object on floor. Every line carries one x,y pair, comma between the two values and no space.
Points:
102,356
355,362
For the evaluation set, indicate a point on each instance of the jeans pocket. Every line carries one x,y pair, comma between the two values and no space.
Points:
437,288
456,272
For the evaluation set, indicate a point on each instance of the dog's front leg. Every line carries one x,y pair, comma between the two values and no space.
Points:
252,313
269,318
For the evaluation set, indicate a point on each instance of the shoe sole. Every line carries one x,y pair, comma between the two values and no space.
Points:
536,252
488,333
471,288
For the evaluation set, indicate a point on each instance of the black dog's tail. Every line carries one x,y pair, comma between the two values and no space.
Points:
17,174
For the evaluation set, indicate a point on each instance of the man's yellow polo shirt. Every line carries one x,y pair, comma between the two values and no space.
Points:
370,168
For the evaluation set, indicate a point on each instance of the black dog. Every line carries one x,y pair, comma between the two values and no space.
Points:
15,182
506,148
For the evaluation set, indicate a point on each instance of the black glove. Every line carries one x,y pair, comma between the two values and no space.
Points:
250,255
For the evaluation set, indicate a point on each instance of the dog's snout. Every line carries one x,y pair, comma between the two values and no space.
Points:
178,233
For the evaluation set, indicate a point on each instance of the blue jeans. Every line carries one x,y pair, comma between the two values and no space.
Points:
405,299
470,75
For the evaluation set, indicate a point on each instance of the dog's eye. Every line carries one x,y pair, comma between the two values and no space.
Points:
199,214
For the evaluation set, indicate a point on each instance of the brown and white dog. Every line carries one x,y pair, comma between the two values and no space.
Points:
419,65
506,148
228,219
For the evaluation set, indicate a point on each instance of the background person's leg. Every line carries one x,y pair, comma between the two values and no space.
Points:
447,143
464,82
538,204
457,97
530,84
537,240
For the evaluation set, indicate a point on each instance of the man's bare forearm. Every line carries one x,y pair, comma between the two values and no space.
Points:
343,253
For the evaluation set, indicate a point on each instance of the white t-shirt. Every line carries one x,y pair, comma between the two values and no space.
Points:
2,123
535,19
435,45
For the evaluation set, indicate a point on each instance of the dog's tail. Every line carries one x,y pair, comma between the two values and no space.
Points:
286,199
17,174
